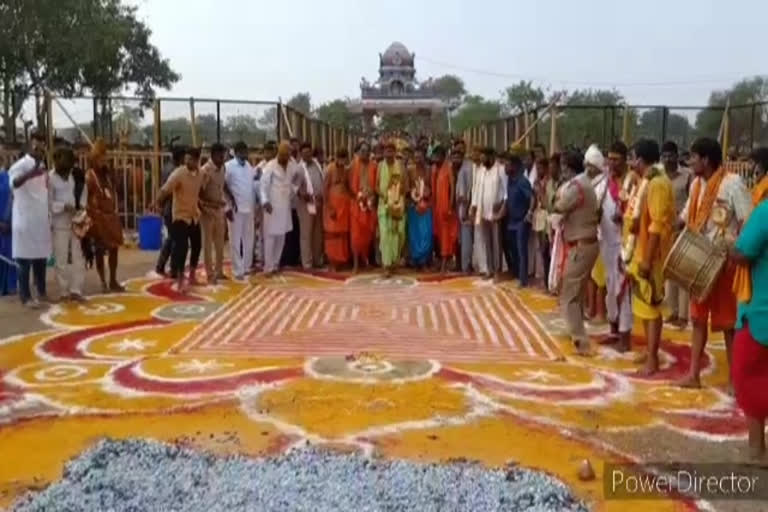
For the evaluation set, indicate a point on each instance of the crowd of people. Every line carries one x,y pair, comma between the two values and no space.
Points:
593,229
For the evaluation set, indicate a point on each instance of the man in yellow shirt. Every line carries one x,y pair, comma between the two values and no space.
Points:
650,217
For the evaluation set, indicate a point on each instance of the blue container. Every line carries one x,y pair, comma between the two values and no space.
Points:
150,232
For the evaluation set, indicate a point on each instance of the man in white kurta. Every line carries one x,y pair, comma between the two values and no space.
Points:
618,299
488,196
278,186
30,225
61,199
239,177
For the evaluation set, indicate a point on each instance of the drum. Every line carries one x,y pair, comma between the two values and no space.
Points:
695,263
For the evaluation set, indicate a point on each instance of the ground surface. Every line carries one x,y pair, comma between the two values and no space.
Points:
419,367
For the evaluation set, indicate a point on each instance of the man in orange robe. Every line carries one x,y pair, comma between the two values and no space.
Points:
336,214
445,221
363,220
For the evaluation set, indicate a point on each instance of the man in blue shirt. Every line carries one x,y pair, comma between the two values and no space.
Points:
519,206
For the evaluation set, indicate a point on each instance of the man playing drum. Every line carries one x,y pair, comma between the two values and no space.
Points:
718,205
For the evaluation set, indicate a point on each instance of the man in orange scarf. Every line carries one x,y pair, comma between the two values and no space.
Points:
336,214
446,224
759,161
717,208
362,184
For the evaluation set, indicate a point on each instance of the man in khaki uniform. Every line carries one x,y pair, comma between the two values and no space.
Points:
212,220
577,203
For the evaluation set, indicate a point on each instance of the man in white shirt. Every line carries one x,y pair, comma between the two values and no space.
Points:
278,185
487,207
64,205
309,208
31,228
681,178
270,151
239,177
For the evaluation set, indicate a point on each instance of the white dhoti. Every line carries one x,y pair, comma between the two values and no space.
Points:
241,231
69,276
618,297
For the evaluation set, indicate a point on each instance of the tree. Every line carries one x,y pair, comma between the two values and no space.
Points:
335,113
301,102
74,46
587,121
475,110
746,91
243,127
522,97
449,88
678,127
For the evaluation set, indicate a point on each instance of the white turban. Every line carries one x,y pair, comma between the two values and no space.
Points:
594,157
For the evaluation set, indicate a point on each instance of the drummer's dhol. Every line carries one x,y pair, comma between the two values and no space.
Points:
695,263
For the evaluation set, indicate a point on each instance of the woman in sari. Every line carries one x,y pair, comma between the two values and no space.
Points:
106,230
392,186
336,212
419,224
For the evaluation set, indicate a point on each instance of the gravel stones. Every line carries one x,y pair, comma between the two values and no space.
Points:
142,475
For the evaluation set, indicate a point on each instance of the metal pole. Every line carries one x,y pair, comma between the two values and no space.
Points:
218,121
664,119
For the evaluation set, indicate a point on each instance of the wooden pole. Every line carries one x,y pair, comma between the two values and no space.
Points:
536,121
552,132
723,135
157,160
625,126
49,126
526,122
71,119
193,126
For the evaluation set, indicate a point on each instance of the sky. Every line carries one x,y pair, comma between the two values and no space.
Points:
671,52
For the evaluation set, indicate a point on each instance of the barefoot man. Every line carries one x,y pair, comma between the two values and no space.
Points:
362,182
651,218
717,208
336,214
446,221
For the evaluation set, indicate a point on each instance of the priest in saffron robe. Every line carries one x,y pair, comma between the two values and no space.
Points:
392,186
362,184
337,211
446,222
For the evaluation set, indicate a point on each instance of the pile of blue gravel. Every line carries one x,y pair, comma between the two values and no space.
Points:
142,475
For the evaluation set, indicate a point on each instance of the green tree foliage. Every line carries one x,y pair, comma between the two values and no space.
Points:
583,124
301,102
749,90
335,113
449,88
678,128
521,97
475,110
75,46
